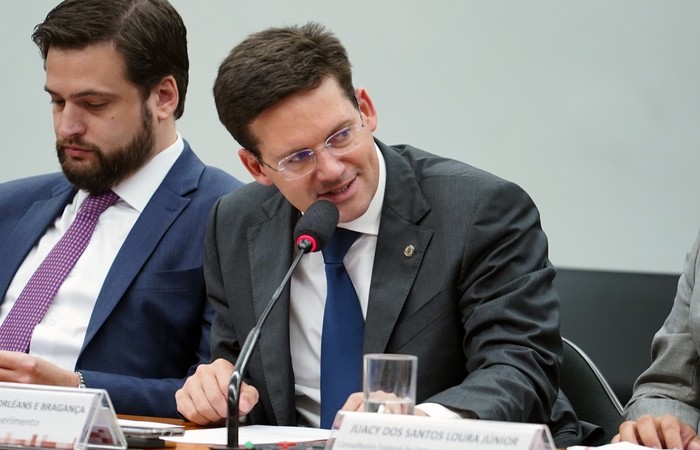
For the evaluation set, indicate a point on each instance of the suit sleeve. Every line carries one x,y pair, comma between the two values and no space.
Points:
509,311
671,384
149,396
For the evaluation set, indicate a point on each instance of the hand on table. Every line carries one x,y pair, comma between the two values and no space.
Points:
658,432
203,399
20,367
355,402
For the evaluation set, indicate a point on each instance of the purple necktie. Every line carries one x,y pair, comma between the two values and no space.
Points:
36,297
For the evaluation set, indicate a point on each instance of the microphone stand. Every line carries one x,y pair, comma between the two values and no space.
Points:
234,387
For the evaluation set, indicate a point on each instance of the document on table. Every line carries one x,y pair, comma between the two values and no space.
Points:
255,434
616,446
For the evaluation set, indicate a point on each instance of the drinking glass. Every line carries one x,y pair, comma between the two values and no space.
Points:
389,383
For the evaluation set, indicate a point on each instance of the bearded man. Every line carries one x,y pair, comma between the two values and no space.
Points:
101,281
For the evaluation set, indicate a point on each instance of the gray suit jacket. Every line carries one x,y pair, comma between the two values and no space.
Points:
671,385
475,302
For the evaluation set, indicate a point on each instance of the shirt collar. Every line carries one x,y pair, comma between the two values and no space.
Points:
368,223
138,188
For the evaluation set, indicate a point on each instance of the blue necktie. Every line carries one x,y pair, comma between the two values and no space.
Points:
343,330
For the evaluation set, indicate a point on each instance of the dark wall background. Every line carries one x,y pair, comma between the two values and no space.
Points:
613,316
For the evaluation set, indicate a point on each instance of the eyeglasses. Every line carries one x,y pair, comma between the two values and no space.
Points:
303,162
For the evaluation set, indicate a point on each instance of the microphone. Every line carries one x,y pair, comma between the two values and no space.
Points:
311,234
316,226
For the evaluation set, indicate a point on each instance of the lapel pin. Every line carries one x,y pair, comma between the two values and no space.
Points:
408,251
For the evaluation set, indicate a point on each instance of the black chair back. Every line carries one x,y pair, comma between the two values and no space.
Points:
590,394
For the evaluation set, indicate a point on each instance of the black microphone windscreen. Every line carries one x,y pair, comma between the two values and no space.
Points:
317,224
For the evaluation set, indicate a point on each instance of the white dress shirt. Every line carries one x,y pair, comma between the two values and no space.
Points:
59,336
308,299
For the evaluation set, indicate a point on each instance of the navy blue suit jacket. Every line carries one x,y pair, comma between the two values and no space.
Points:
150,325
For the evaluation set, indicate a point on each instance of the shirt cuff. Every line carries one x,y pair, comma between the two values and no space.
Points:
438,411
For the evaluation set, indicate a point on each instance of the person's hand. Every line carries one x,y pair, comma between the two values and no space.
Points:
203,399
355,402
658,432
19,367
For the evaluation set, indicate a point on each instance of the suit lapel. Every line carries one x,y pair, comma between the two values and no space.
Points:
401,244
163,208
270,252
30,229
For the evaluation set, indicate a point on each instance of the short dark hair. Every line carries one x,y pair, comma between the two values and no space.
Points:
270,65
149,34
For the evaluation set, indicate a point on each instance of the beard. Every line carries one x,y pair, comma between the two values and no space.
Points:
97,177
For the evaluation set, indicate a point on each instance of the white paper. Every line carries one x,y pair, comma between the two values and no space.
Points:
615,446
255,434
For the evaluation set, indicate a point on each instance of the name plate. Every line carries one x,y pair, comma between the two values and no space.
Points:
370,431
36,416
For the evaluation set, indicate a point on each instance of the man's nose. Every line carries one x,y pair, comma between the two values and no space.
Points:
69,122
328,166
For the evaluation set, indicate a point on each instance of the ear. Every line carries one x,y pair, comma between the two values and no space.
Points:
166,97
254,167
367,108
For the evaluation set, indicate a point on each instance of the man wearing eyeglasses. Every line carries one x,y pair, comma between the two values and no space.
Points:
451,263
